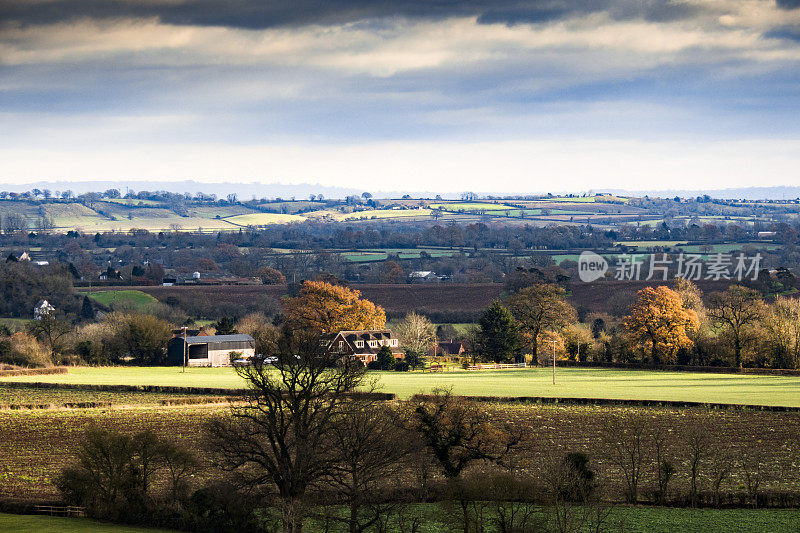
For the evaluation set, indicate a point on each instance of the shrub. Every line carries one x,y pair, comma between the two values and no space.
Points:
221,507
22,349
578,482
116,473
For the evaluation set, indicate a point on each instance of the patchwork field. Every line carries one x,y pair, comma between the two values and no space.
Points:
43,441
263,219
129,298
570,383
432,297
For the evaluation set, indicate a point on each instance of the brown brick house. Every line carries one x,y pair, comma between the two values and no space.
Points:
363,344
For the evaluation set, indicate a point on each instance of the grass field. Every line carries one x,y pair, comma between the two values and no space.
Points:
472,206
263,219
570,382
632,520
665,520
15,324
57,524
23,396
648,244
134,299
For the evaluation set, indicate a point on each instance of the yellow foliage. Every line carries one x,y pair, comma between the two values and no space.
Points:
27,350
329,308
659,320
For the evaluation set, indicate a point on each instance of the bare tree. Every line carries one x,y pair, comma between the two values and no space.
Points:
458,432
664,468
573,503
280,437
752,466
698,444
721,464
736,309
51,331
369,449
627,438
416,333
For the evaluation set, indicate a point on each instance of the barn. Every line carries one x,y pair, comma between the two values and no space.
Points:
209,350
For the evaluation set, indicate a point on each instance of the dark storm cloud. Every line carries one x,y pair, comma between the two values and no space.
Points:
790,33
258,14
788,4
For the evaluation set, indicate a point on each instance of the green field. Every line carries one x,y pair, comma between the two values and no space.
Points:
472,206
571,382
384,213
56,398
57,524
629,520
649,244
665,520
134,299
263,219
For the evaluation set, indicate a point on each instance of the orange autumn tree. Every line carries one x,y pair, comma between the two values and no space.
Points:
322,306
659,320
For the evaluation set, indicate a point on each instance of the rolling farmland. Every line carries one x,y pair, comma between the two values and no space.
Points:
571,383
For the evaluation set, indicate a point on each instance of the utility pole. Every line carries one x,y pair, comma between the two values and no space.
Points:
184,328
554,362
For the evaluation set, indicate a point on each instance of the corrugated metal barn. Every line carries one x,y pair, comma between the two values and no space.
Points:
210,350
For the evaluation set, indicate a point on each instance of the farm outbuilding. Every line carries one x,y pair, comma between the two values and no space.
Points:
210,350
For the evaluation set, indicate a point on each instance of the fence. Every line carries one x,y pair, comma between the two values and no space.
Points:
60,510
497,366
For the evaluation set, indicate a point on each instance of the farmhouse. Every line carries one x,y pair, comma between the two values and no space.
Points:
447,349
363,344
42,308
423,276
209,350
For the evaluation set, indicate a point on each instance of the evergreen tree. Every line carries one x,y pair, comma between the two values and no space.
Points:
225,326
385,358
498,335
87,310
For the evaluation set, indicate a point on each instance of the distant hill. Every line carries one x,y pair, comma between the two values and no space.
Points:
246,191
746,193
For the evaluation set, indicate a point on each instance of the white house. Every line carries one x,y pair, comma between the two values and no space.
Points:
42,308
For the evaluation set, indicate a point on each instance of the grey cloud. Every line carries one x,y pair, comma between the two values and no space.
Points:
787,4
257,14
789,33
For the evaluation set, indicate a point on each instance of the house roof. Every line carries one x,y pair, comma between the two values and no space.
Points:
214,339
364,335
452,348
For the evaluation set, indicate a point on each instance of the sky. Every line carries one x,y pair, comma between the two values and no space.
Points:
503,96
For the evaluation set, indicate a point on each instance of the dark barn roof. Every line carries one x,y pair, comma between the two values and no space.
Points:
215,339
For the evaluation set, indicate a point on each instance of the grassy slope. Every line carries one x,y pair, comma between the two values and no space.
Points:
635,519
55,524
659,520
666,520
262,219
136,299
579,383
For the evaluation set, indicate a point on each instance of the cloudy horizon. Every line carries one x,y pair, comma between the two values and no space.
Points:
507,96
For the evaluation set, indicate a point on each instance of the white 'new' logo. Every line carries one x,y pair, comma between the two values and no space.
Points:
591,266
